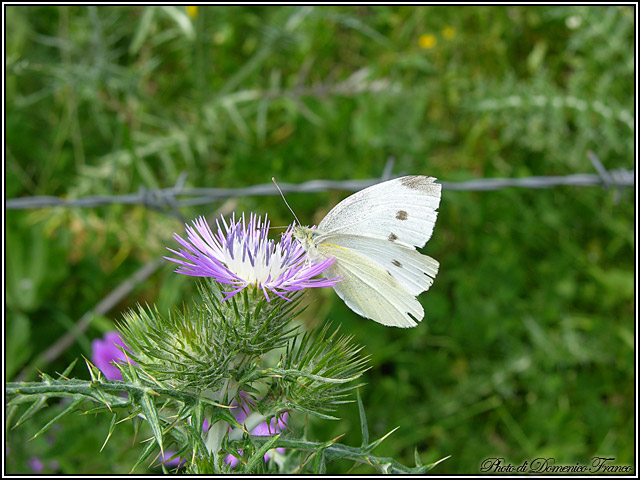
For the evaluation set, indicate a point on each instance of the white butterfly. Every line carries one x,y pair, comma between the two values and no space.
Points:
372,235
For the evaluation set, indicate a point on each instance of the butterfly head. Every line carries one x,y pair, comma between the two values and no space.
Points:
304,235
308,239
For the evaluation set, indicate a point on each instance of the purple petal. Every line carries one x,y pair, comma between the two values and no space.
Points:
36,465
105,351
167,461
239,254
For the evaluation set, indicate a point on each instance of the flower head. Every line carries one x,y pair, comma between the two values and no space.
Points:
36,465
449,32
427,41
104,352
240,255
192,11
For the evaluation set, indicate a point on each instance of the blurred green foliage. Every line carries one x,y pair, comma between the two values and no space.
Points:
527,349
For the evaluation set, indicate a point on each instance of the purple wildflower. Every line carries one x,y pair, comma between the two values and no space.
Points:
104,352
240,254
276,425
36,465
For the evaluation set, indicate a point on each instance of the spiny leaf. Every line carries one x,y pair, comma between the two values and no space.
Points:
364,428
380,440
320,458
39,404
416,456
324,416
94,372
111,429
300,373
100,409
260,453
67,370
431,465
133,414
151,414
101,397
320,463
143,456
55,419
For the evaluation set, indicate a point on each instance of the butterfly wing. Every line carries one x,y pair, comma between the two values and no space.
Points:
401,211
372,235
385,295
370,294
412,270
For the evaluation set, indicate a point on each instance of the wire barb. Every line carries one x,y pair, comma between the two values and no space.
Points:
607,180
165,200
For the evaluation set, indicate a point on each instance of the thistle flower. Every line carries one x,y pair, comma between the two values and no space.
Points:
241,255
105,351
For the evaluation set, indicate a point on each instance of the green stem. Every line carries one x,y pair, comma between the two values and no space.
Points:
90,388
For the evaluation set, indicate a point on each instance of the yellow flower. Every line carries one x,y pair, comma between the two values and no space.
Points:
448,32
427,41
192,11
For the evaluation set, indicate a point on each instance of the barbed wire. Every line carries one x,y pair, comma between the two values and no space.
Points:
166,199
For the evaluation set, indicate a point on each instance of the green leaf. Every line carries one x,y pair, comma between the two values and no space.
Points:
151,415
320,463
142,31
26,267
431,465
315,413
182,20
371,447
67,370
364,428
302,373
62,414
18,345
112,427
258,456
39,404
143,456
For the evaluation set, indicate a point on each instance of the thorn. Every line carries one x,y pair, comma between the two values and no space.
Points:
606,177
439,461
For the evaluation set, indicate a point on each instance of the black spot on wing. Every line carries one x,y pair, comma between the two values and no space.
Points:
401,215
396,263
392,237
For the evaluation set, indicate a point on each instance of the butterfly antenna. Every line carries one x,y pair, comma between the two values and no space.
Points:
273,179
